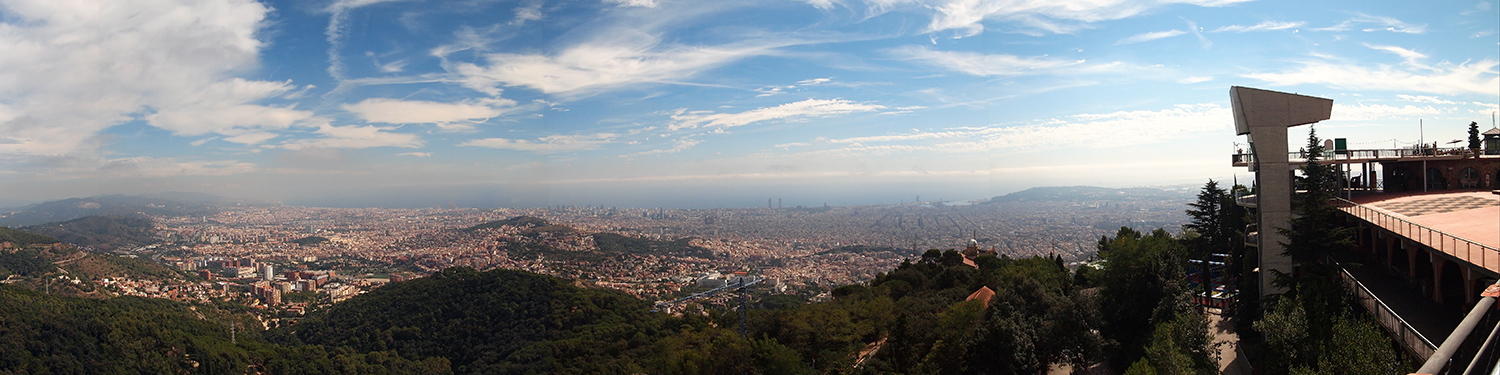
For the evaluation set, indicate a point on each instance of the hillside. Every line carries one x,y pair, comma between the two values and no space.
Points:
1091,194
111,232
45,334
499,321
23,238
104,205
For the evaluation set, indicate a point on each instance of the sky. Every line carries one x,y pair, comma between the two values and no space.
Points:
696,104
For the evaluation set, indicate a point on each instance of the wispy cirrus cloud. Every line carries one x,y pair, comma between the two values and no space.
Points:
547,144
1366,112
1263,26
1410,56
1424,99
1478,77
1369,23
624,58
790,111
1082,131
446,115
355,136
1147,37
979,64
678,145
152,167
634,3
968,17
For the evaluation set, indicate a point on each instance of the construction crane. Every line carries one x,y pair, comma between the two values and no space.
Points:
739,285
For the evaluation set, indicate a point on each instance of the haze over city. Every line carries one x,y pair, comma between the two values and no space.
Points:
646,103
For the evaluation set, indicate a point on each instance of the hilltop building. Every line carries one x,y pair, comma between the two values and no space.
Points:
973,251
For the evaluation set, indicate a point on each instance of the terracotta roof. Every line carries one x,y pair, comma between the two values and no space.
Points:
983,295
970,263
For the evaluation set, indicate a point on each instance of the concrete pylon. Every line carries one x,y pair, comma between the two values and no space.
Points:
1265,116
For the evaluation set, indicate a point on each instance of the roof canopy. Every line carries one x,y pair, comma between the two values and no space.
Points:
1264,108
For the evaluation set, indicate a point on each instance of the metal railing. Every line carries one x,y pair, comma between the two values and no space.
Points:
1245,158
1399,329
1466,250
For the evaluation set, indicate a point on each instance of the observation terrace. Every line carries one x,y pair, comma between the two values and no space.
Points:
1247,159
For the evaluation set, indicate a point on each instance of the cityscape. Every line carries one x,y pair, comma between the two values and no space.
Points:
798,249
749,187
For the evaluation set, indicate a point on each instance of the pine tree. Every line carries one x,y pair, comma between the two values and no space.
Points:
1207,220
1474,137
1313,236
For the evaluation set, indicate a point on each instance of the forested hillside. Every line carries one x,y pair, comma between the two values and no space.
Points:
43,334
109,232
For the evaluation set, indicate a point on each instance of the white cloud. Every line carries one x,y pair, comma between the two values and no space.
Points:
1108,130
981,64
677,146
392,67
1146,37
220,108
1446,78
795,110
1381,23
146,167
769,91
415,154
814,81
1367,112
633,3
530,11
149,167
900,137
1423,99
351,4
1410,56
70,70
1194,79
618,59
821,4
397,111
1263,26
967,17
1077,132
356,137
547,144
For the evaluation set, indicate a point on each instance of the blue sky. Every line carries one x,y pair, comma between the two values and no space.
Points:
699,103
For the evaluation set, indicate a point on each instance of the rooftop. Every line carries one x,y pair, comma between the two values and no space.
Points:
1458,223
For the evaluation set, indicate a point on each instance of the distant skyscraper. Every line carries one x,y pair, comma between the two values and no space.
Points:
768,203
267,273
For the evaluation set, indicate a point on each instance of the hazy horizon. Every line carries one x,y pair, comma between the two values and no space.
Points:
658,103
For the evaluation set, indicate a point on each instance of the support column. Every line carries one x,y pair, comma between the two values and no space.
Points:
1390,248
1469,294
1265,116
1411,260
1437,277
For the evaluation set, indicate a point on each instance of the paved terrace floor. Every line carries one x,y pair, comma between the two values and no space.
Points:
1471,215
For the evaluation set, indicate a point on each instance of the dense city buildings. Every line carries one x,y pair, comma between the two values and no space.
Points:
267,252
